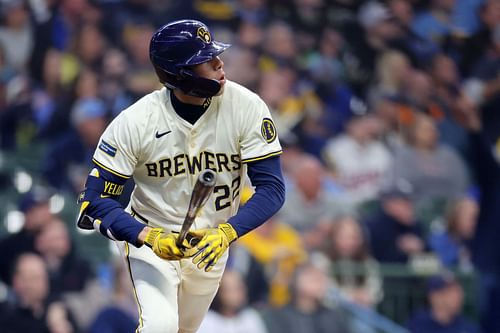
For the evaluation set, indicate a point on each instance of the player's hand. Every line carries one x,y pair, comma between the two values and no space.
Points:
164,245
213,243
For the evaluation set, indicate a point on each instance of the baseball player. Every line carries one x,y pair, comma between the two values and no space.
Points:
198,120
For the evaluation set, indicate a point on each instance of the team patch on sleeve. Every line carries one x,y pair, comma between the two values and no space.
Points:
268,130
107,148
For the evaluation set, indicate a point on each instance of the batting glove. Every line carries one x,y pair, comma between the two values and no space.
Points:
212,245
164,244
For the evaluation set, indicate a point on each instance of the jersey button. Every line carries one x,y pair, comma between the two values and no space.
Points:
193,145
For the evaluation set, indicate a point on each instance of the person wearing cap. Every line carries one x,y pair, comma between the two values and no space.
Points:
444,315
35,207
73,151
394,232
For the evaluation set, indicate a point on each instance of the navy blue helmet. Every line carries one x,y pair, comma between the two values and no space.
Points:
177,46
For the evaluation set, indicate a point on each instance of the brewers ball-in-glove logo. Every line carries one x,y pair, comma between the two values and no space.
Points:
268,130
204,34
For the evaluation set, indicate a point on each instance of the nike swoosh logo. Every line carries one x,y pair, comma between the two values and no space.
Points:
104,196
159,135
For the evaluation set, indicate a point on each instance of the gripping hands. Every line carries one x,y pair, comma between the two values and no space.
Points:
213,243
163,245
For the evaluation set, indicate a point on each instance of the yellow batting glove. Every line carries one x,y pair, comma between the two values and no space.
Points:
213,243
163,244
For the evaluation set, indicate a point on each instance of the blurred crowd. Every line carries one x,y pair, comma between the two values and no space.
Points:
388,116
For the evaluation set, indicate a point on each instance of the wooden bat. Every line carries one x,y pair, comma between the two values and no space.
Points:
201,192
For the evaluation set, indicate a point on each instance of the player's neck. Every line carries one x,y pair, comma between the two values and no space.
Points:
187,99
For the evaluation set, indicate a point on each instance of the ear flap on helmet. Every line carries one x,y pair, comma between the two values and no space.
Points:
195,85
190,83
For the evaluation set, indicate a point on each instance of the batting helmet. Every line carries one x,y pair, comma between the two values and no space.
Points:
177,46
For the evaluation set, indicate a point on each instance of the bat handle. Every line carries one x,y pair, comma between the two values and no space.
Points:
180,240
192,241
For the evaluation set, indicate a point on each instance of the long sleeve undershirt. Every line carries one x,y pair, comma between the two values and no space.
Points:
268,198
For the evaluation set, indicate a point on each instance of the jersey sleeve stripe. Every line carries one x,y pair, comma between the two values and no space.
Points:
263,157
110,170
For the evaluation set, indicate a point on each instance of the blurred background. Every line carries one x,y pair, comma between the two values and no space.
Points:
389,117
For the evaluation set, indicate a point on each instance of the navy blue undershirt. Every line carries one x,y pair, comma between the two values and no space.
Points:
268,198
189,112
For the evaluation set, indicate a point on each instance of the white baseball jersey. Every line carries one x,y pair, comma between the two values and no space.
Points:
164,153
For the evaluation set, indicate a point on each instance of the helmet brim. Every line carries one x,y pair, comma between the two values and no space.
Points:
207,53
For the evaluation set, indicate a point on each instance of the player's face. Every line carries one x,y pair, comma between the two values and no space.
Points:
213,69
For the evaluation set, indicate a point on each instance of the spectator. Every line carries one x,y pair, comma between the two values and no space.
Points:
140,79
84,86
64,163
387,111
49,94
378,30
444,314
306,313
250,35
241,62
112,90
35,207
289,105
476,45
18,124
120,315
395,234
485,245
418,96
417,49
392,70
358,160
435,23
229,312
33,310
279,46
484,86
353,270
279,249
435,172
447,94
16,35
89,47
453,244
253,272
308,200
67,271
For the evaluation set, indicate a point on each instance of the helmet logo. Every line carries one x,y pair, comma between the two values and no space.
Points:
204,34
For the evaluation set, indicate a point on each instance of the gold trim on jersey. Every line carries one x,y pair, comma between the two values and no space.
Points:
263,157
141,322
110,170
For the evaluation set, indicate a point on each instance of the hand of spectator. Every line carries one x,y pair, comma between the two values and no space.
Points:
410,244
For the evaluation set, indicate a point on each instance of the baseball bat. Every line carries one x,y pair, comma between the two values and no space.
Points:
201,192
